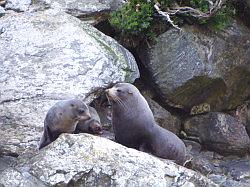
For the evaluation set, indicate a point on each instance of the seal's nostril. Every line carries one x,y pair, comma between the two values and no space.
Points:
81,110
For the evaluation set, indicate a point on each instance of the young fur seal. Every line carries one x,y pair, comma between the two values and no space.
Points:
92,125
135,127
62,118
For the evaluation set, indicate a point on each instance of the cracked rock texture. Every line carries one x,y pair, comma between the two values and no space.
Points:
49,56
87,160
196,67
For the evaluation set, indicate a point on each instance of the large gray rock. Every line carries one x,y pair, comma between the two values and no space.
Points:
196,67
2,11
219,132
87,160
49,56
88,10
18,5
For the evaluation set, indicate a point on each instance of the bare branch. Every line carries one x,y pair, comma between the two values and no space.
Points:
166,15
214,6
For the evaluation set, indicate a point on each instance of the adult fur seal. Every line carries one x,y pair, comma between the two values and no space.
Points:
135,127
63,118
92,125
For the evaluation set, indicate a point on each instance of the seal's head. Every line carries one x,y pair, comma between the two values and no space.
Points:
78,109
122,92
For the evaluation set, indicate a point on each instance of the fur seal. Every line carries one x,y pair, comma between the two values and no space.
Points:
92,125
63,118
134,125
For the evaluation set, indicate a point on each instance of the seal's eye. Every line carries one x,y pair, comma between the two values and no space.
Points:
118,90
72,105
130,92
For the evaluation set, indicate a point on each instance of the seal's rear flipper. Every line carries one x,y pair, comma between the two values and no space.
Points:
45,140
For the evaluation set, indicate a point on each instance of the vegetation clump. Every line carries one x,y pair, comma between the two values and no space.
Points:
137,17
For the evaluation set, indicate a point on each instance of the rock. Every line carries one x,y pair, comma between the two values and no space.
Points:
232,183
18,5
246,116
217,179
242,113
219,132
197,67
164,118
243,10
87,10
239,170
115,4
194,148
2,12
87,160
49,56
11,177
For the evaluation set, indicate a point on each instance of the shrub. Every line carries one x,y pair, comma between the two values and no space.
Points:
136,17
133,18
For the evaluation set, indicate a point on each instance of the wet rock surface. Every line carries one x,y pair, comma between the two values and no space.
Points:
196,66
222,170
219,132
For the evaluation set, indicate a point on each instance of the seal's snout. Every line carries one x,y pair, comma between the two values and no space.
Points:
84,114
81,110
88,116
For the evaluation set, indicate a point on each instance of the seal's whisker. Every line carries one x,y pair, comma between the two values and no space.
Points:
121,103
124,104
118,101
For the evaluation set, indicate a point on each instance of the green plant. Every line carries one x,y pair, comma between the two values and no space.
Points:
133,18
202,5
221,19
136,17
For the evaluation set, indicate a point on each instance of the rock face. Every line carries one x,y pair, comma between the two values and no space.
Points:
49,56
2,11
243,10
195,67
18,5
88,10
86,160
219,132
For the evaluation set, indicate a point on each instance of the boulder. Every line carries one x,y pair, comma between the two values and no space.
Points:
49,56
18,5
87,160
219,132
93,11
198,69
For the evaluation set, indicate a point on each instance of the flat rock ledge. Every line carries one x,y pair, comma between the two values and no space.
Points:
87,160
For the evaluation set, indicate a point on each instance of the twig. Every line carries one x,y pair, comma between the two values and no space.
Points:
166,15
